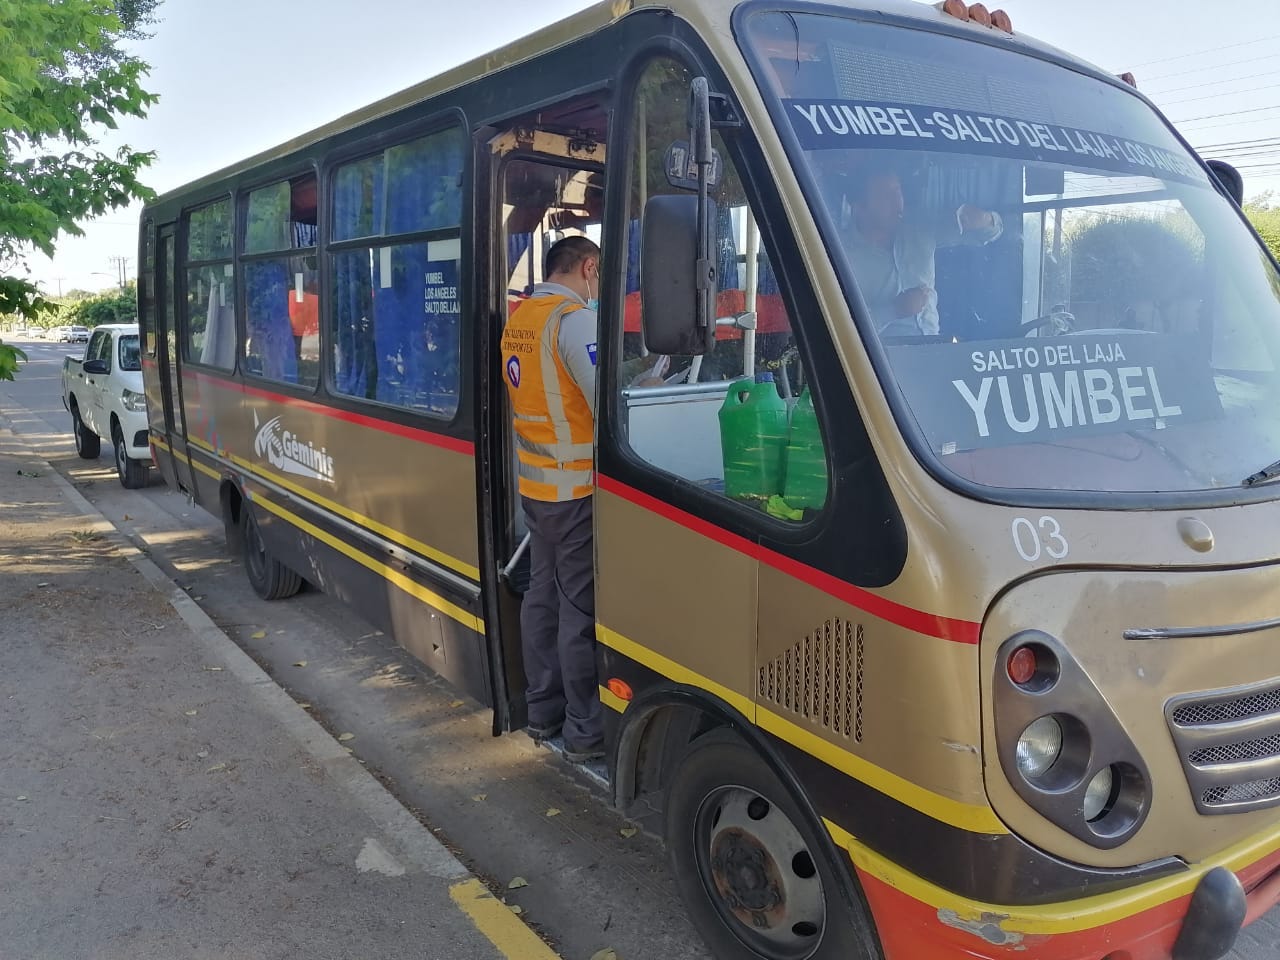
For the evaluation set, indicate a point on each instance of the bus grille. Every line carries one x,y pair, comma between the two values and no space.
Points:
820,679
1229,744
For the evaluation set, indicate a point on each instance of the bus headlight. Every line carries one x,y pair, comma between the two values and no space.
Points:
1097,796
1039,747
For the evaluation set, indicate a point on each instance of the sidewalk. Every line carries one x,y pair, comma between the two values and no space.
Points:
161,797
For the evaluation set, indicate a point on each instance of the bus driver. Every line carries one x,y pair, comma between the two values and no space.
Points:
892,255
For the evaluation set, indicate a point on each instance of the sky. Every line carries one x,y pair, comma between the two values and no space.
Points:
239,76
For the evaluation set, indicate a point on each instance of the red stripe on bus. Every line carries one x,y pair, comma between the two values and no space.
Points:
411,433
921,621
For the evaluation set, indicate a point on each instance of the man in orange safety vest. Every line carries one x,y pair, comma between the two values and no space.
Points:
549,364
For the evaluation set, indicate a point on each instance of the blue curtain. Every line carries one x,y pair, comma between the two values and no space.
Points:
267,289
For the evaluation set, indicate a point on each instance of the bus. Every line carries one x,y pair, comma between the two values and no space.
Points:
936,575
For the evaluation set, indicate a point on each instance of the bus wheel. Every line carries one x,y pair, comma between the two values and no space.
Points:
132,473
88,443
270,579
757,882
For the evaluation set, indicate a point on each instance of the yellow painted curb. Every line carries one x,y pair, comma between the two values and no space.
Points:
501,927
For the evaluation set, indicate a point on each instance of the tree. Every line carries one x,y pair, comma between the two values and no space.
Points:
65,81
1264,213
110,306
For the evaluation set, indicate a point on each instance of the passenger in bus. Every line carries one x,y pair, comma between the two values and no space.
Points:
891,251
549,364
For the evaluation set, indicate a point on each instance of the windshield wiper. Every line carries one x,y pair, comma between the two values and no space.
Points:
1269,472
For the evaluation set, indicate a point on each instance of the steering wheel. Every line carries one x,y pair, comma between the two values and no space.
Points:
1058,323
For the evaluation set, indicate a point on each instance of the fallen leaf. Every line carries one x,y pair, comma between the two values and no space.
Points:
456,703
127,517
20,798
42,584
344,737
216,768
517,882
553,812
181,825
517,909
279,631
629,832
305,706
608,953
299,663
256,635
214,669
479,797
202,754
197,598
190,713
348,749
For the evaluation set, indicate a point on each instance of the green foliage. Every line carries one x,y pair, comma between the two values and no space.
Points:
65,79
9,357
1264,213
1120,264
108,307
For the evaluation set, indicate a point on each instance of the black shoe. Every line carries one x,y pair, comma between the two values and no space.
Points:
584,754
539,732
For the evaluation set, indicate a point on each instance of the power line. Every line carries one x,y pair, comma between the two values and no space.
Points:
1236,143
1229,123
1214,66
1220,94
1214,83
1232,113
1228,46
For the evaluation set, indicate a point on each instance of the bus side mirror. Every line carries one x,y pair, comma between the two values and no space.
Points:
1230,179
670,275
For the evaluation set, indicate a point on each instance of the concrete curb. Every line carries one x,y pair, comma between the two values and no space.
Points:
415,842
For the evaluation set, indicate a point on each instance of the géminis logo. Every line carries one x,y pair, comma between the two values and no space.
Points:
286,451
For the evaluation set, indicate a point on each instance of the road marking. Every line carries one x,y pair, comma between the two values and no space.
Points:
500,926
374,857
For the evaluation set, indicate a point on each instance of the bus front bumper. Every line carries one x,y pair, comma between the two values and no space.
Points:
1191,916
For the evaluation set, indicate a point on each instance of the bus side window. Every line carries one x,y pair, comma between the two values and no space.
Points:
725,421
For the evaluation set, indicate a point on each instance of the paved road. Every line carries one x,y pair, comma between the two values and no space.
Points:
589,887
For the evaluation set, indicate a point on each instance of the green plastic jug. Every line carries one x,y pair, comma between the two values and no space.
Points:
753,438
806,459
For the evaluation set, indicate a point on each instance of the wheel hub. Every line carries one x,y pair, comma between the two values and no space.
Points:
758,869
748,878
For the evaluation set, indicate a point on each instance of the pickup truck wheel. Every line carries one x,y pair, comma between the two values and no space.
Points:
132,473
88,443
270,579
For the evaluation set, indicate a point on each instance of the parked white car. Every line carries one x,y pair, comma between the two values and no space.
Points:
104,393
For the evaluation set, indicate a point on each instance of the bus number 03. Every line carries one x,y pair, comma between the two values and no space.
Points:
1031,541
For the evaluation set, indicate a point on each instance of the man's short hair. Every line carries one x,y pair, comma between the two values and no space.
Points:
565,255
867,174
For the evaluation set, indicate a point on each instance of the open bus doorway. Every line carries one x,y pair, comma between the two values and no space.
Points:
547,184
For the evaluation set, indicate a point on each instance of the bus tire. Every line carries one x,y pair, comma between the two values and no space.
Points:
88,443
757,881
270,579
132,473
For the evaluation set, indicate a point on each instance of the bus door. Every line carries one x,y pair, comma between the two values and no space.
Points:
167,358
542,184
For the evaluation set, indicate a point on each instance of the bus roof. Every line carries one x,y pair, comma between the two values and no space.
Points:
710,14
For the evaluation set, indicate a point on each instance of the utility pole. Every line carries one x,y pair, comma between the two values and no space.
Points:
121,264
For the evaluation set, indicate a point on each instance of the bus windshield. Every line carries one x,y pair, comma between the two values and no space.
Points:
1063,299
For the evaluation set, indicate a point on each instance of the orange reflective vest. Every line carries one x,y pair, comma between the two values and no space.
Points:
554,428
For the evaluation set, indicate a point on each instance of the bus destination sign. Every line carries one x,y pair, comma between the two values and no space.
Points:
1003,392
847,124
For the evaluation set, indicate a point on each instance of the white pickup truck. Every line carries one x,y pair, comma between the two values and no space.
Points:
104,393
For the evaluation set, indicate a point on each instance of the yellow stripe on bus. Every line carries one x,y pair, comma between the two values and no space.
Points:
956,813
410,587
255,470
1071,916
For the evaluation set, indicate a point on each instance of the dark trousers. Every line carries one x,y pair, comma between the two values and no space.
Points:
558,621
